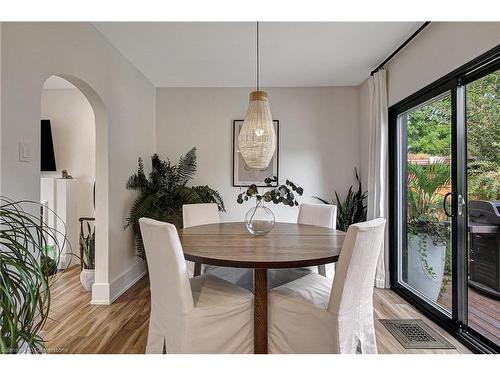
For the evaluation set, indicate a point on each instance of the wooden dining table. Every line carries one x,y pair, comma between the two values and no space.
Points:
288,245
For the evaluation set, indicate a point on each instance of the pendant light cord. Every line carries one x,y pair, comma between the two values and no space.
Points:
258,86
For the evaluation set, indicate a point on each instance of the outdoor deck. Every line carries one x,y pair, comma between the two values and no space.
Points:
484,313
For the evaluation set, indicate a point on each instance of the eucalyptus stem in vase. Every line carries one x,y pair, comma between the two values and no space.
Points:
259,219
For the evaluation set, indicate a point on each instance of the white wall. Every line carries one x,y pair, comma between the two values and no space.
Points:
73,131
438,50
124,102
318,137
323,130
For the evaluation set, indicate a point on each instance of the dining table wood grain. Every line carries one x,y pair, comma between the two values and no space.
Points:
288,245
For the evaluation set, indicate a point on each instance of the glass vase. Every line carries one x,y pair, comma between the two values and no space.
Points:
259,220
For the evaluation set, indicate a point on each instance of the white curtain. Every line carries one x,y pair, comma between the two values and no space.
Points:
378,167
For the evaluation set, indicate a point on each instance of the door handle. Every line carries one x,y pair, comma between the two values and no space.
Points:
444,204
460,205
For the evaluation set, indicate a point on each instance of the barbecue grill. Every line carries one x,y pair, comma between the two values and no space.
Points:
484,257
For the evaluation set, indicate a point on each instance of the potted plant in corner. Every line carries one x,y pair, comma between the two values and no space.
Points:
87,252
162,195
353,208
25,275
428,230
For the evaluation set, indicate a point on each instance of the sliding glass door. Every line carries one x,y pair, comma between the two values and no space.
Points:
482,104
445,202
425,183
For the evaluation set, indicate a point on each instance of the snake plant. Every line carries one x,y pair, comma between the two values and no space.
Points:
353,208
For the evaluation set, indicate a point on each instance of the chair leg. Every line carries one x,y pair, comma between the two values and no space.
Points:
322,270
197,269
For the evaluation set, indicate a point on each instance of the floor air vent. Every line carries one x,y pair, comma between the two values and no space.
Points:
415,334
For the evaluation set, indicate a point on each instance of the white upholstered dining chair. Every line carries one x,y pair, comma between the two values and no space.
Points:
199,214
200,315
208,213
310,315
322,215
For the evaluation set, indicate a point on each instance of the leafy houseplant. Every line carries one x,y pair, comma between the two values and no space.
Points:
87,251
87,243
162,195
259,219
428,233
49,265
24,276
353,208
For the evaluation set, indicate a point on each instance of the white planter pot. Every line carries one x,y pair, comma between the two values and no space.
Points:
419,276
87,278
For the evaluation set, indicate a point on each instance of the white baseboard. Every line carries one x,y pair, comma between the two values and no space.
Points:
100,294
128,278
107,293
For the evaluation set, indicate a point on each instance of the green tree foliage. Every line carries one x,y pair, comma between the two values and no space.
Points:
483,137
483,180
483,120
429,132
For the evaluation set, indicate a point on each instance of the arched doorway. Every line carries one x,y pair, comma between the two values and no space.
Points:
99,196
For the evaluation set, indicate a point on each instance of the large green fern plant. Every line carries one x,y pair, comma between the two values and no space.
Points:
162,195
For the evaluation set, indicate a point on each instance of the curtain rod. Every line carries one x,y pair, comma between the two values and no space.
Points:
423,26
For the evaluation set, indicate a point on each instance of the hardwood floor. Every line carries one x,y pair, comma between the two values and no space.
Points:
76,326
388,305
483,312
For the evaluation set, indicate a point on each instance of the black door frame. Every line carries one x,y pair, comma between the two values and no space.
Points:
455,83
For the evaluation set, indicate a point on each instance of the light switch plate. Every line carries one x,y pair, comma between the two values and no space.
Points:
24,151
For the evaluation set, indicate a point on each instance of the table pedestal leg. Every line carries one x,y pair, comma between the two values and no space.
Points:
260,311
197,269
322,270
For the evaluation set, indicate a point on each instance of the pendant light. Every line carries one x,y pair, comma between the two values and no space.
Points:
257,138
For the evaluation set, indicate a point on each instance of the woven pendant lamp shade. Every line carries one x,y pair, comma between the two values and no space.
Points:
257,139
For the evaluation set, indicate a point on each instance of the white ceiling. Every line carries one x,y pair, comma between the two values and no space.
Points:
222,54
